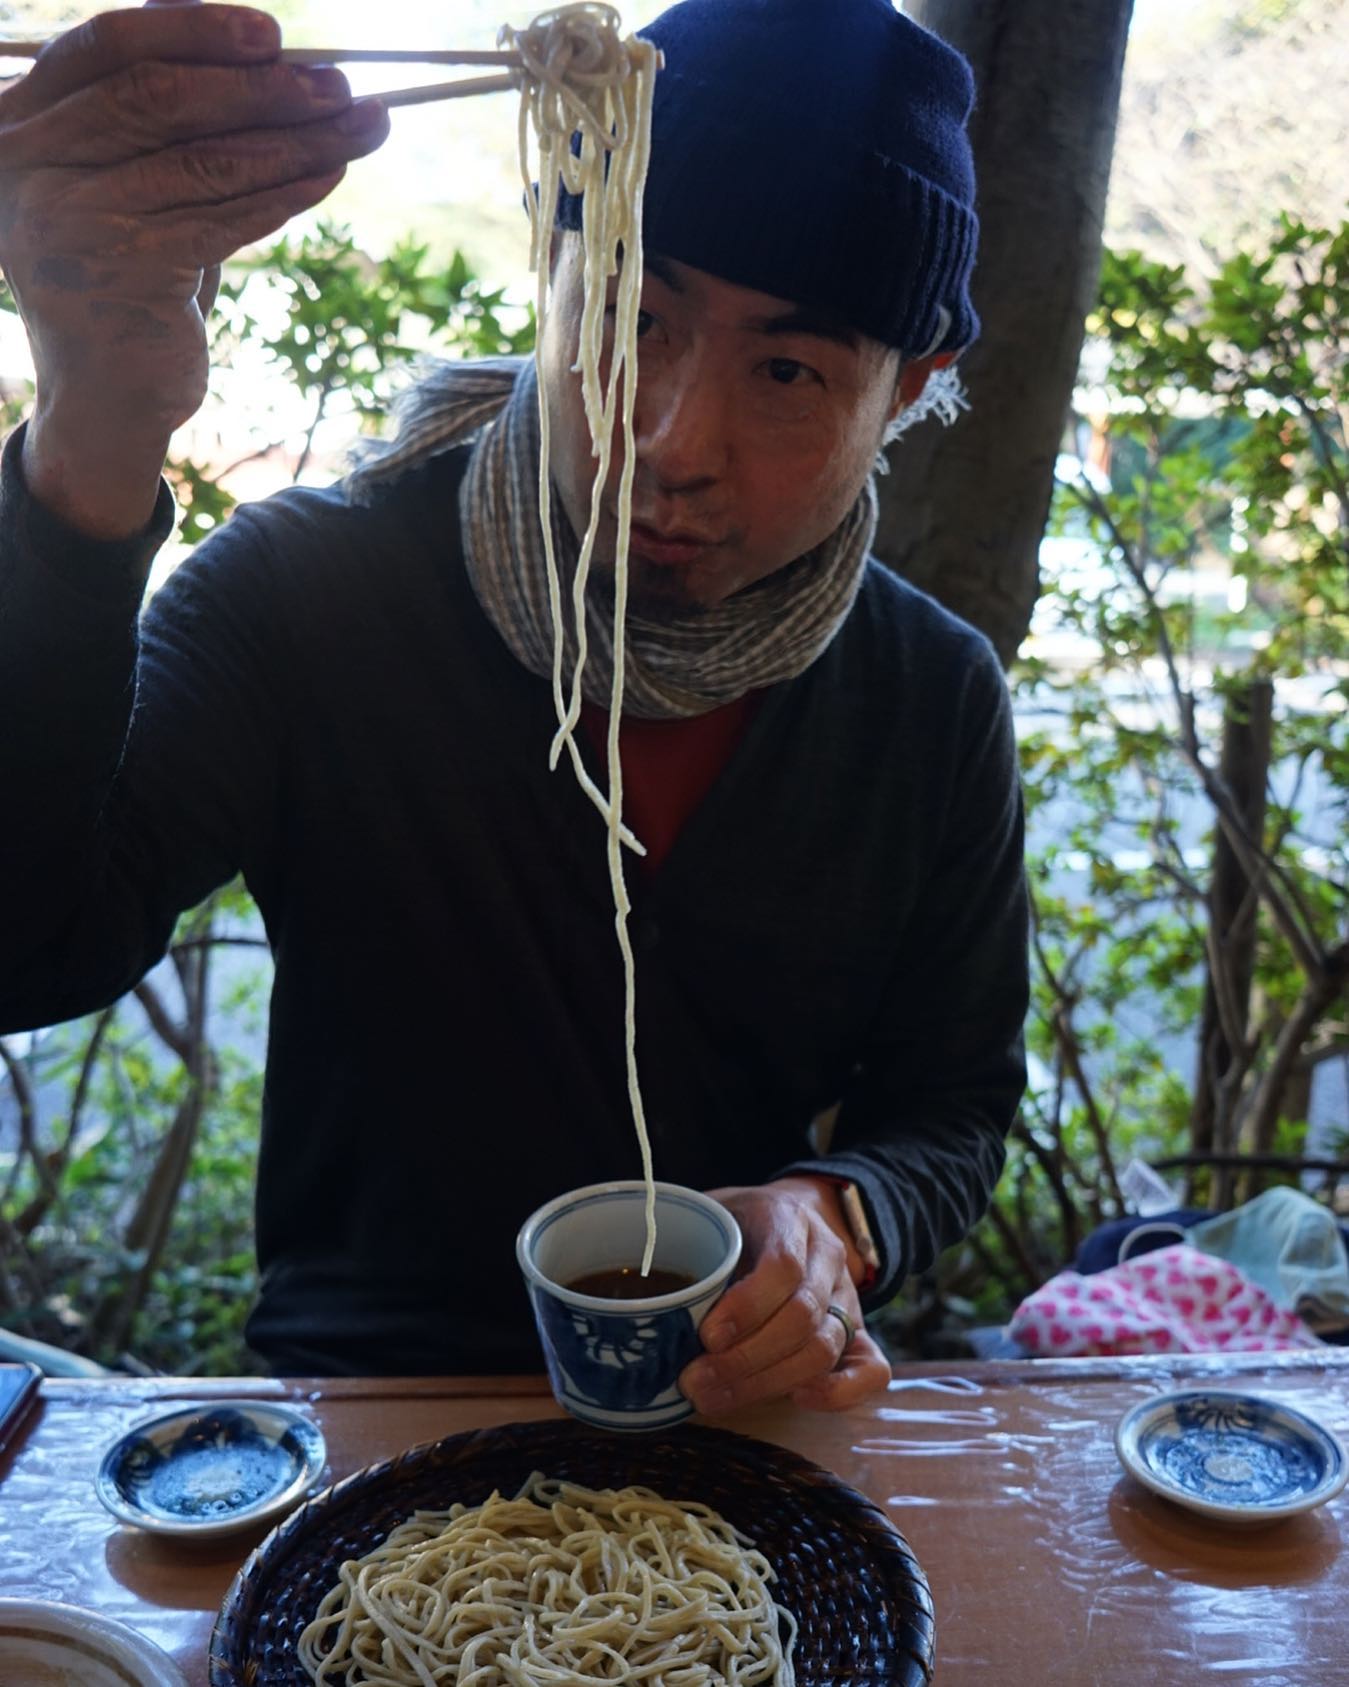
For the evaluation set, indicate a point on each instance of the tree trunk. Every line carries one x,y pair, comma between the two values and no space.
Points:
1224,1029
962,513
147,1232
1320,993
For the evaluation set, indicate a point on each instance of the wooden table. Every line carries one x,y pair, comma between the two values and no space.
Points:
1047,1564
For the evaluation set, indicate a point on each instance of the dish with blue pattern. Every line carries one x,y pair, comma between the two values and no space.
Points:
1240,1457
209,1471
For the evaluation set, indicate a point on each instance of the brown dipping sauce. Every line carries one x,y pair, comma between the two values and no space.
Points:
625,1282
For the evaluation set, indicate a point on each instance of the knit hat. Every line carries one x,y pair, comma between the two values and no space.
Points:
816,150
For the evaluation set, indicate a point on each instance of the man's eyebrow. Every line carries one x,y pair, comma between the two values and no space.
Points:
664,271
802,320
812,322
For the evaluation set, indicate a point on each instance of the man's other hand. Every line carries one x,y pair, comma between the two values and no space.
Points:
771,1334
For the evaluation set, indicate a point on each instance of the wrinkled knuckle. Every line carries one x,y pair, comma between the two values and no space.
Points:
823,1350
251,89
102,36
212,173
24,204
263,84
146,95
814,1297
198,243
804,1309
27,226
732,1367
296,196
316,147
833,1245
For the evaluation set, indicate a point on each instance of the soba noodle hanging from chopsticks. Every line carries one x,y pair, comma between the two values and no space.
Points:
580,77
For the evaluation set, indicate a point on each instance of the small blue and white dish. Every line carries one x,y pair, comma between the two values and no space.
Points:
1240,1458
207,1471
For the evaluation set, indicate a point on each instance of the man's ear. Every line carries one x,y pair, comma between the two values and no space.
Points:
913,378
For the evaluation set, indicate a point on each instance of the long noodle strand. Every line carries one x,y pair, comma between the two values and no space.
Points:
625,335
542,46
581,76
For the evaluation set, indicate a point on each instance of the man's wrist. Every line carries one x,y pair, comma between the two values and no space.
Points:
103,491
826,1195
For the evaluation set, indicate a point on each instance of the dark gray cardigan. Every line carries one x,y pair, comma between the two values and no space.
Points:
316,699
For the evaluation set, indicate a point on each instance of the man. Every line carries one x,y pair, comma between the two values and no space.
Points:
345,697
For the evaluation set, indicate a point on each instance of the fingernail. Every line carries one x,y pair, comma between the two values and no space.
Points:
322,84
362,117
257,33
719,1335
714,1400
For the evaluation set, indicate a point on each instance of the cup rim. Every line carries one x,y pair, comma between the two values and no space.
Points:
648,1303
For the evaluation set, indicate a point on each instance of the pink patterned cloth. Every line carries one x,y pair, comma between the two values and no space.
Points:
1175,1300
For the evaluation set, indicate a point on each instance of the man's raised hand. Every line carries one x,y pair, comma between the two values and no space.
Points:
142,149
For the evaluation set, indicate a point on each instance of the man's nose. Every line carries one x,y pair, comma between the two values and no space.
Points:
681,425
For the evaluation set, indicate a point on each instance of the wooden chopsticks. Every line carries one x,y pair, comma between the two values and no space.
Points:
393,55
499,84
445,90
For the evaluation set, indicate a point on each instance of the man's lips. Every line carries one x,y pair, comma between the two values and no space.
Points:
672,547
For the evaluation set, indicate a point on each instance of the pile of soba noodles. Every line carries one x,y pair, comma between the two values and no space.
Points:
560,1585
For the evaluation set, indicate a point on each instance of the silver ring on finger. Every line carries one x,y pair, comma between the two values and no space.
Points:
849,1331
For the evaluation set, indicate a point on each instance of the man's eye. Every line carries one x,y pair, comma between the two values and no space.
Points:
645,320
787,372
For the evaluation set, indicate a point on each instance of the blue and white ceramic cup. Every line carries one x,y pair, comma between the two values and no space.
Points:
616,1363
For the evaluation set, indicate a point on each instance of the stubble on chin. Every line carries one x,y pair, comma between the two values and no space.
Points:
654,594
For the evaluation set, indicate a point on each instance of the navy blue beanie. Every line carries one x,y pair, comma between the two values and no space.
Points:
816,150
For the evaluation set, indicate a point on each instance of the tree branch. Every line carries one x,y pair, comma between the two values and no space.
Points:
1068,1213
169,1032
38,1208
1065,1038
1260,868
1316,997
26,1100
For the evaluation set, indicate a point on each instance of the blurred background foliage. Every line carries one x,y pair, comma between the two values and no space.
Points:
1187,771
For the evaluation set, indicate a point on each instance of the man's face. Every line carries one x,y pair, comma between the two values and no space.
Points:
756,427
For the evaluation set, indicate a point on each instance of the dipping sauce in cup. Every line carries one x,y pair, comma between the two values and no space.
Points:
614,1357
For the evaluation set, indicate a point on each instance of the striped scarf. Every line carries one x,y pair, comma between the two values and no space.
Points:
674,668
